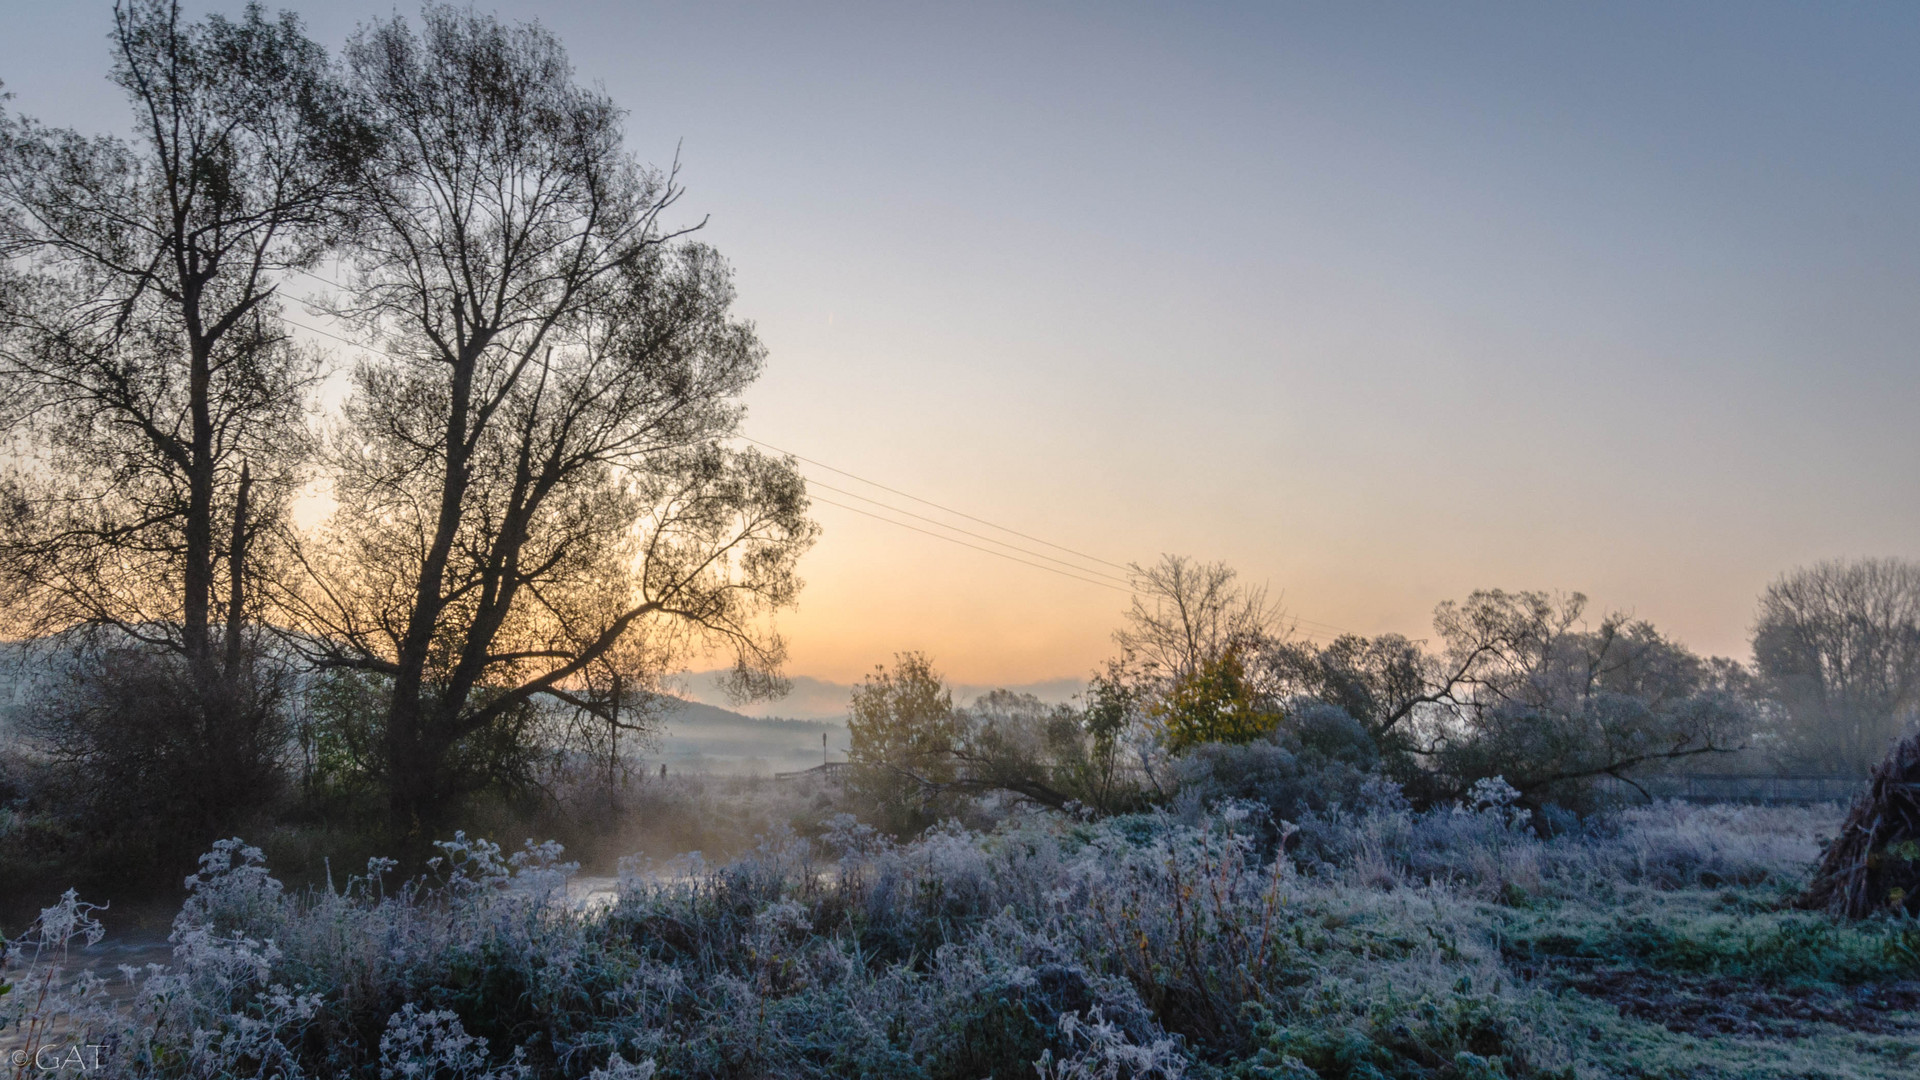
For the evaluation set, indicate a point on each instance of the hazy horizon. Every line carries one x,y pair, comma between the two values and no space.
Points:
814,698
1379,305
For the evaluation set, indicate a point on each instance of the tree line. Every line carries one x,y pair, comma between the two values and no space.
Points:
533,501
1527,694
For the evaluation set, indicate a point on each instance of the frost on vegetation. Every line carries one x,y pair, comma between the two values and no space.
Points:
46,1009
1102,1051
422,1045
465,865
1143,946
619,1068
1492,792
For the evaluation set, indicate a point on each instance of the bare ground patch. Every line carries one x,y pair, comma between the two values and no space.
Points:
1713,1007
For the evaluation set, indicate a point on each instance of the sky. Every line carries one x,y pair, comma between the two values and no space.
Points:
1378,304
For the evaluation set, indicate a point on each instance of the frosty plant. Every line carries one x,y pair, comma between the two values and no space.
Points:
1194,921
420,1045
1103,1052
465,866
1124,949
1492,793
47,1010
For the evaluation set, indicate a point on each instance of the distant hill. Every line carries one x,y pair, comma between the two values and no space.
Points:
703,734
821,699
697,737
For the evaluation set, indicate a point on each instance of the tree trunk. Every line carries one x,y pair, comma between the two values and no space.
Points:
413,762
197,584
409,798
236,574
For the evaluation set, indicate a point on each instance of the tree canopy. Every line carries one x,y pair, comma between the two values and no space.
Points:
535,499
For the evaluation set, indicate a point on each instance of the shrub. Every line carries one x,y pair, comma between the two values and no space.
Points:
1320,761
142,767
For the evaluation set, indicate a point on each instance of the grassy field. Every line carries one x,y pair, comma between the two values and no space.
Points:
1655,942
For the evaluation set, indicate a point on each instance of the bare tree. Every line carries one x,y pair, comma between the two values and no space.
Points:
156,410
533,495
155,398
1837,644
1185,614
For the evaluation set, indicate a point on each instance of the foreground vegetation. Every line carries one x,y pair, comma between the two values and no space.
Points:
1452,943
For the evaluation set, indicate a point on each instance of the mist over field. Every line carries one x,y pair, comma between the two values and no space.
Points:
701,738
1246,542
823,699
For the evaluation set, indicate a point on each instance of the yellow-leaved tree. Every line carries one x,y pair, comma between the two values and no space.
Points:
1214,703
902,732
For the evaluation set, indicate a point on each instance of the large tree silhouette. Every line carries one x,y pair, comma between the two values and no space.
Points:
533,492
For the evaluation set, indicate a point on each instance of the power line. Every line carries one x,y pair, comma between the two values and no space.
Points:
322,333
322,280
812,483
937,506
1308,634
976,547
1102,578
1323,627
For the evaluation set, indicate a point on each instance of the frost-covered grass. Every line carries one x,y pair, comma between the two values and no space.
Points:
1453,944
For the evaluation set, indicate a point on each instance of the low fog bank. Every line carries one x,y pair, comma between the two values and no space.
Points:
824,699
704,738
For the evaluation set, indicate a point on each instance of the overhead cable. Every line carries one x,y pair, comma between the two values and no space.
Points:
813,483
937,506
976,547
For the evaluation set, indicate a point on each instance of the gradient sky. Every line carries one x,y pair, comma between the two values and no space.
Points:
1378,303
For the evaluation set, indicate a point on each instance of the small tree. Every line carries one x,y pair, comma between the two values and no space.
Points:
1532,694
1383,683
903,732
1051,755
1098,771
1213,704
142,778
913,749
1185,615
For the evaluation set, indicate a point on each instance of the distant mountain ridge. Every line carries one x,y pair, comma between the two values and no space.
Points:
696,737
822,699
